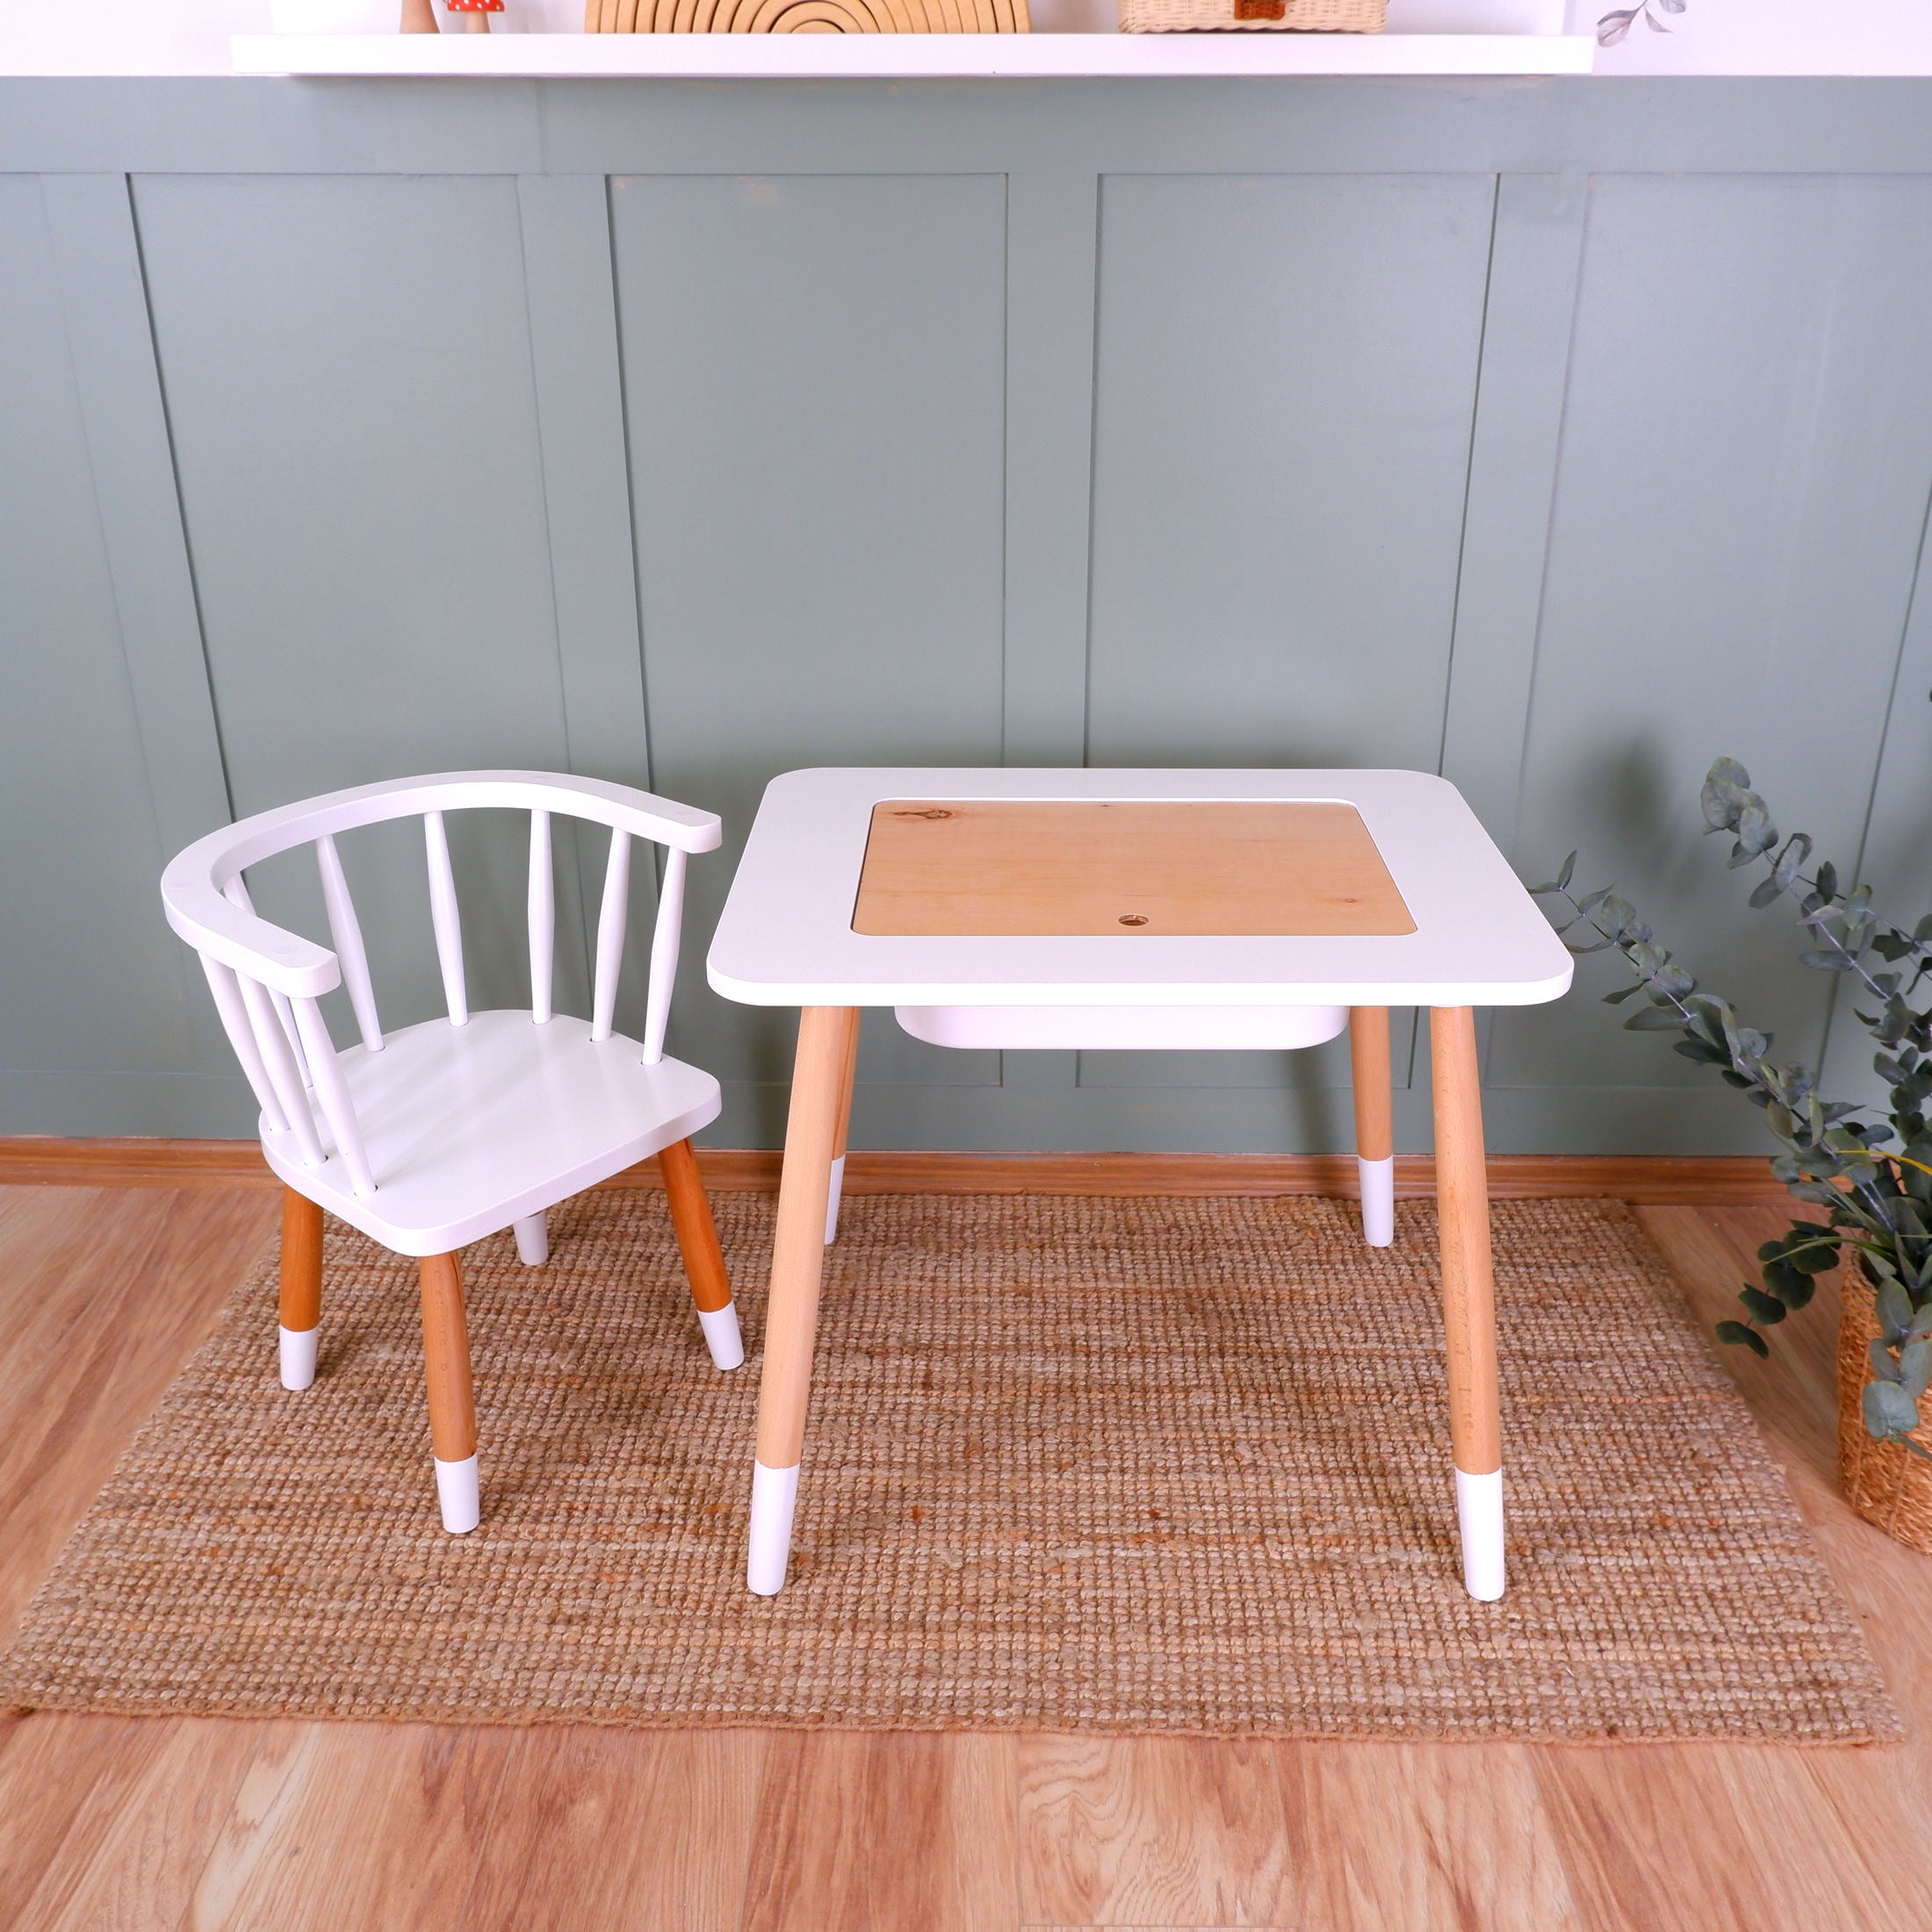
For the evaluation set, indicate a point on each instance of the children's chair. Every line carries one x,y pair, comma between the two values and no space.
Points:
434,1135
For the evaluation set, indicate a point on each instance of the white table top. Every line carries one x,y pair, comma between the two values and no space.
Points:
786,937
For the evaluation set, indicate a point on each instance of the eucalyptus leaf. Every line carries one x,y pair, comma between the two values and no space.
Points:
1915,1368
1888,1410
1895,1311
1741,1336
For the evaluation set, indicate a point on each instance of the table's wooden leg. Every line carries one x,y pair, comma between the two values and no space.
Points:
837,1188
792,1311
1374,1121
301,1288
1468,1298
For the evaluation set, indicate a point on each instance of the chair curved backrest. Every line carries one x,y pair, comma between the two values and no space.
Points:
267,981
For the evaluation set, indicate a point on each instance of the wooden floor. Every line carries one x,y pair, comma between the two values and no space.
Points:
178,1822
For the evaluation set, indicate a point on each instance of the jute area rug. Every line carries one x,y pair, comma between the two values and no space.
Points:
1106,1465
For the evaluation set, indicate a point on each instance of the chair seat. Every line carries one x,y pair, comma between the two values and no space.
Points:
471,1128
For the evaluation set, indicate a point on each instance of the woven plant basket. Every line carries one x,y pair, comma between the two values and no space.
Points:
1253,16
806,17
1884,1481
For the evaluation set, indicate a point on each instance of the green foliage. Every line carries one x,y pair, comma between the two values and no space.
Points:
1871,1171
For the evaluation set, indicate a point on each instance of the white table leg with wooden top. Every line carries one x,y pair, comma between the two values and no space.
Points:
1374,1121
1468,1298
815,1125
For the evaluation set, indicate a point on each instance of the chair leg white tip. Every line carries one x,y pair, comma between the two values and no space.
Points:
1378,1179
298,1351
832,1200
721,1336
532,1240
775,1493
1479,1515
456,1494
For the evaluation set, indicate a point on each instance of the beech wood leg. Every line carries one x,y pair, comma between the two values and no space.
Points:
1374,1121
1468,1298
301,1288
791,1313
452,1400
836,1190
704,1258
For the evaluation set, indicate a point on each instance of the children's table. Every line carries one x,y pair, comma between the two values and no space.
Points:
1154,909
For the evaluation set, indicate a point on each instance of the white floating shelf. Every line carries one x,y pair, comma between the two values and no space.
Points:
903,57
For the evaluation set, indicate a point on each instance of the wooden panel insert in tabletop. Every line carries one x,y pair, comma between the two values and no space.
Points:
1064,868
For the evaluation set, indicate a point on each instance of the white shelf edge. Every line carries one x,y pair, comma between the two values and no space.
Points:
907,56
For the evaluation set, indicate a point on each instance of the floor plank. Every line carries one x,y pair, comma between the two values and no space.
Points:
620,1829
884,1832
337,1825
1153,1831
1424,1836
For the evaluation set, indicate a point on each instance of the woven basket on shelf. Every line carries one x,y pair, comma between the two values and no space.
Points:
1253,16
1884,1481
806,17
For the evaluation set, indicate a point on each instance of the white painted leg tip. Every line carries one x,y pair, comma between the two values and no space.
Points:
298,1350
457,1495
1478,1518
721,1336
832,1200
774,1495
532,1240
1378,1179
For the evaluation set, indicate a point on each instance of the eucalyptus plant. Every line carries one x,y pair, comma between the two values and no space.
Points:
1614,26
1870,1171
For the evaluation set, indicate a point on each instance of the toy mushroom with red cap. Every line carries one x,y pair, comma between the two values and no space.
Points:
476,13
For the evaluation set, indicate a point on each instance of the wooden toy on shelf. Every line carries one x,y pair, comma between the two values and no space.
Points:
806,17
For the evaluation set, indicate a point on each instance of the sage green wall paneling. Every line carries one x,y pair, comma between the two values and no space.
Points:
1285,381
1896,860
572,299
348,367
95,980
814,390
1741,494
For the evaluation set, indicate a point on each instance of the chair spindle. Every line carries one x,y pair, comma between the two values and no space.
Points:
332,1090
346,931
444,918
664,956
543,918
611,934
236,893
234,1023
280,1058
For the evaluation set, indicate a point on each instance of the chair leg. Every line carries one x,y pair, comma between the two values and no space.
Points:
1375,1122
452,1400
836,1190
1468,1299
704,1258
301,1288
791,1313
532,1234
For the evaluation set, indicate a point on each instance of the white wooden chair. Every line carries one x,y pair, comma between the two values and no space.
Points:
436,1135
